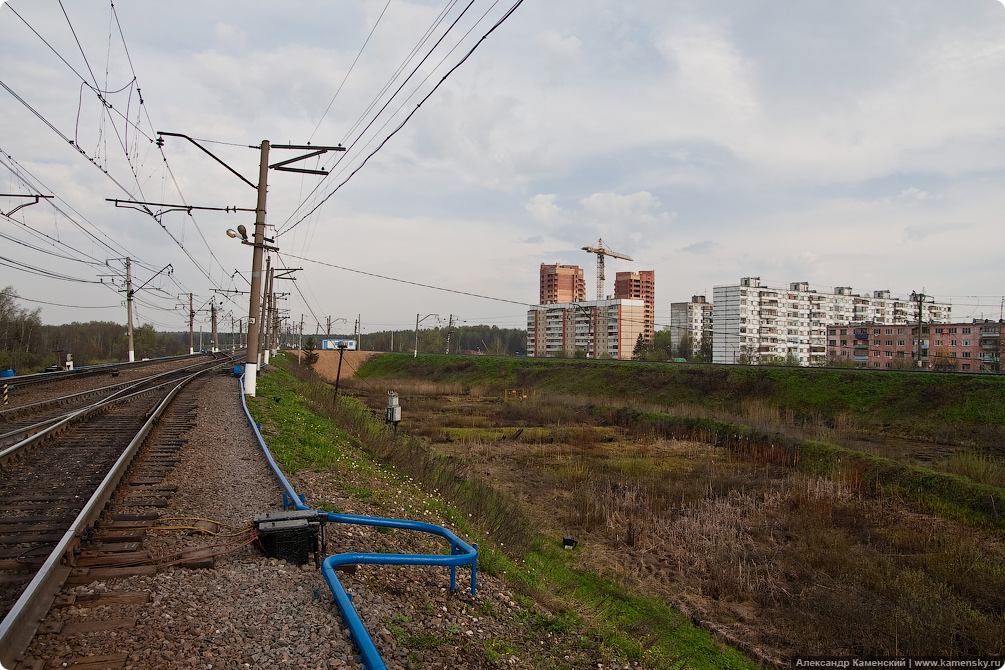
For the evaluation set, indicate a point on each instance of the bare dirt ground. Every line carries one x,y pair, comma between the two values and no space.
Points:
327,365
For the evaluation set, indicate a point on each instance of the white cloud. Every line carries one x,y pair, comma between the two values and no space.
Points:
915,193
793,144
916,232
543,208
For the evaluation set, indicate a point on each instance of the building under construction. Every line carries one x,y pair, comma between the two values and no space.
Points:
564,322
562,283
639,285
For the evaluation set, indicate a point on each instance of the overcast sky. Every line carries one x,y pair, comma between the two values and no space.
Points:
854,143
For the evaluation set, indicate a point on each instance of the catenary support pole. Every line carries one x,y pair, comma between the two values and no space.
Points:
129,307
263,320
251,364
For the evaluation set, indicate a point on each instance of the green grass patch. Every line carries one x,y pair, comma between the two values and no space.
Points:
955,408
298,438
624,626
634,628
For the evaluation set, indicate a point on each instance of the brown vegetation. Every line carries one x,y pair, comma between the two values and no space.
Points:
781,561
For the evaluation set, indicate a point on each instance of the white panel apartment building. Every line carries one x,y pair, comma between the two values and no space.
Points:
690,319
598,327
754,321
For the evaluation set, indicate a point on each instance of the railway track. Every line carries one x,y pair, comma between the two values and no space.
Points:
55,484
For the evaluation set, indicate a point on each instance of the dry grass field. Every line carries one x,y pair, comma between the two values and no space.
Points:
778,561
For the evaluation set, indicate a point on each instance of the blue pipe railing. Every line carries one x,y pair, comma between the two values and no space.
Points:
461,553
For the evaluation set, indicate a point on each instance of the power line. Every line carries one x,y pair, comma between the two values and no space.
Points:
406,281
498,23
359,136
59,304
349,71
31,269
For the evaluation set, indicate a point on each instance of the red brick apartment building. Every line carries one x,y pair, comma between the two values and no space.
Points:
963,347
639,285
562,283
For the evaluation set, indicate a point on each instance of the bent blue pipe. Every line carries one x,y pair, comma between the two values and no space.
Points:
461,553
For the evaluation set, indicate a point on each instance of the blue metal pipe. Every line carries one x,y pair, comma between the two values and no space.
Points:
461,553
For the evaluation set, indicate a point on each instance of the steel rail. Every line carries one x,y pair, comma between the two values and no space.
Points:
8,454
37,378
21,622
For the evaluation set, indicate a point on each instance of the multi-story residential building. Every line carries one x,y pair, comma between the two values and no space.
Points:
691,320
755,322
639,285
965,347
600,328
562,283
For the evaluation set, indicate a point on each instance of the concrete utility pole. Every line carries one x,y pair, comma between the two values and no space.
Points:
251,361
129,306
450,331
264,315
300,340
216,339
417,322
920,298
191,326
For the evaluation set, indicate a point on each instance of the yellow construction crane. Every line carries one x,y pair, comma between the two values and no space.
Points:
601,251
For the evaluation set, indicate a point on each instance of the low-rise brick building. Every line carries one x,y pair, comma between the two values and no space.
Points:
946,347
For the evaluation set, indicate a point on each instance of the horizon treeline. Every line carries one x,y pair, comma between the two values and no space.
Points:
27,345
463,340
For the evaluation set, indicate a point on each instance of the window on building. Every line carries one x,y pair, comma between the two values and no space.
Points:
966,343
900,331
966,354
952,343
952,331
844,343
889,343
889,365
877,343
844,331
938,330
876,354
876,331
966,331
889,331
965,366
889,354
900,354
876,364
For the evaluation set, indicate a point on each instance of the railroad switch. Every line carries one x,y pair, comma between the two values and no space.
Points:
292,535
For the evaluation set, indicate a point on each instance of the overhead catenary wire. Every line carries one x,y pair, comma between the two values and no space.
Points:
109,109
286,228
407,281
359,136
59,304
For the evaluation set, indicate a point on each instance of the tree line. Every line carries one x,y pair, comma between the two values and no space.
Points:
463,340
26,345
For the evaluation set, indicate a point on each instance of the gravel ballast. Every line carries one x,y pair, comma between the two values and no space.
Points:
249,611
